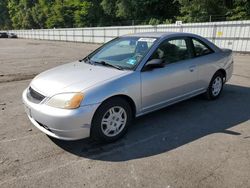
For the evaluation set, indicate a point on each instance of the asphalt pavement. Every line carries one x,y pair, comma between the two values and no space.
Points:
195,143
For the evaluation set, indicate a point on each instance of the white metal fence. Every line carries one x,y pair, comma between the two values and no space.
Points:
231,34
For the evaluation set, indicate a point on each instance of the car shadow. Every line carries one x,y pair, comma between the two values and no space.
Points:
171,127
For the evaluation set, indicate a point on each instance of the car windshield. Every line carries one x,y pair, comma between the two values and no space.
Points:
123,52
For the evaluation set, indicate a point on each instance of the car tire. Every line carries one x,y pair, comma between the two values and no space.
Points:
111,120
215,86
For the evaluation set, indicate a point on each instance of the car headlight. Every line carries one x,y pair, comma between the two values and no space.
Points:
66,100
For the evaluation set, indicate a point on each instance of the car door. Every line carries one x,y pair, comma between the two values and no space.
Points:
174,81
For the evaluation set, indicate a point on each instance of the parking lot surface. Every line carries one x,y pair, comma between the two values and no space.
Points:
196,143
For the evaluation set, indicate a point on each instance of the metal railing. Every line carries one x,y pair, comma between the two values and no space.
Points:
230,34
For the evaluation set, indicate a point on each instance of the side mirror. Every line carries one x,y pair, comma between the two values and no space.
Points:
153,63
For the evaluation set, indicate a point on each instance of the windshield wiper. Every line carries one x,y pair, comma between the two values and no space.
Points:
110,65
86,60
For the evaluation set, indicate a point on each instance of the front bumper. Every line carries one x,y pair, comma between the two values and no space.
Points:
62,124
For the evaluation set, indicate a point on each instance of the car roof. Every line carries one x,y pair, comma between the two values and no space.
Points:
158,34
172,34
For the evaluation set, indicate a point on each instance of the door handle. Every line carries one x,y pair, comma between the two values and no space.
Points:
192,68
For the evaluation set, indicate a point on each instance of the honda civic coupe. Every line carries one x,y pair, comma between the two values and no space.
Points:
129,76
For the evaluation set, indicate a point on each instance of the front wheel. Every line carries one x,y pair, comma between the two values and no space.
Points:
216,86
111,120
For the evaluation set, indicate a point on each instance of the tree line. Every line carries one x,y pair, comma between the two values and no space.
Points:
28,14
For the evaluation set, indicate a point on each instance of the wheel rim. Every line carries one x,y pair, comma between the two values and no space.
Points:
114,121
216,86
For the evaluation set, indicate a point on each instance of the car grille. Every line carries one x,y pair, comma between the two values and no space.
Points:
34,96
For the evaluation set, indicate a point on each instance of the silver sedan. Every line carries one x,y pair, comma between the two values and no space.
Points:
127,77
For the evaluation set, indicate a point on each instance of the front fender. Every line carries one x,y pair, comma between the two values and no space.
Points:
128,85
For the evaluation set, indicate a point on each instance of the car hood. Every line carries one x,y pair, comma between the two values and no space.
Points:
73,77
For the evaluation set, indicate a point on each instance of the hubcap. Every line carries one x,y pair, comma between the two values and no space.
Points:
216,86
114,121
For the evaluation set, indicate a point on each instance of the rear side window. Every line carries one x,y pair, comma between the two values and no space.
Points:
201,49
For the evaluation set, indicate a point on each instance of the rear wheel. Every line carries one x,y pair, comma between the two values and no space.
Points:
216,86
111,120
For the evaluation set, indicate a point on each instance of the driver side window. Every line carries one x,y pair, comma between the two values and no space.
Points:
172,50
